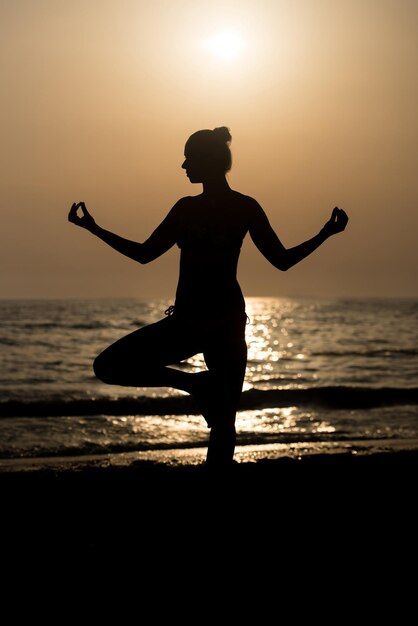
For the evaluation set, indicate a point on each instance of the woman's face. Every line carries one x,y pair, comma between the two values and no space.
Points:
194,165
197,164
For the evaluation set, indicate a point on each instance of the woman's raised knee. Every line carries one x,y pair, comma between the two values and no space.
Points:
102,369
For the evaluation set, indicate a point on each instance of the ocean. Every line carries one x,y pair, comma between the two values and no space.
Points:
322,375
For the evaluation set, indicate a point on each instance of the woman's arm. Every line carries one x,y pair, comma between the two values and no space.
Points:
161,240
283,258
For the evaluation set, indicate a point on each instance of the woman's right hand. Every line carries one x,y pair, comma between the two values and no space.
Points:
336,223
85,220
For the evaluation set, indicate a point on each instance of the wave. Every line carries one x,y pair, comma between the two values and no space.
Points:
337,397
85,326
243,439
6,341
60,326
384,352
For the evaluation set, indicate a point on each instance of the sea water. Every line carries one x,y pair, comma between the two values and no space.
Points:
319,370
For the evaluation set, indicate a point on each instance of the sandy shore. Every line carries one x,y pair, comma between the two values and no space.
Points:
97,507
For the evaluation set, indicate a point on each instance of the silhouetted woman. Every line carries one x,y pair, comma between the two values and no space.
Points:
209,312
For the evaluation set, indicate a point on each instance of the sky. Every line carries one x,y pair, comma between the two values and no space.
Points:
98,98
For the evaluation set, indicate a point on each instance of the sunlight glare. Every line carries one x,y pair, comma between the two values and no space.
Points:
225,45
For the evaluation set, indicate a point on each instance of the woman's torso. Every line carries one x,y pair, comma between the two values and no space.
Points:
210,238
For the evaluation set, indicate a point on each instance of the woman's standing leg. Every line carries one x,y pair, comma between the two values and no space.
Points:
226,359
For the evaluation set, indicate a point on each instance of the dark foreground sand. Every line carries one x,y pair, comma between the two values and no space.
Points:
326,500
326,535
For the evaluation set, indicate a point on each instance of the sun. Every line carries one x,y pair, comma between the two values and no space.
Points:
225,45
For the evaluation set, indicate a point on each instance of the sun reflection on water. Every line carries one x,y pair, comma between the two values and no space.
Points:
289,420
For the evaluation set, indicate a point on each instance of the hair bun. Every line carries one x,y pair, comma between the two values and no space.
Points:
222,134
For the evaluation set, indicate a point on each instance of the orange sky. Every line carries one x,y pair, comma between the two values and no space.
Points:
99,96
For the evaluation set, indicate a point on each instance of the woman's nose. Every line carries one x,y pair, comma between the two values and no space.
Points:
184,164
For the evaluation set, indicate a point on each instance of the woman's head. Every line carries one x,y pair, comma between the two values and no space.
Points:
207,154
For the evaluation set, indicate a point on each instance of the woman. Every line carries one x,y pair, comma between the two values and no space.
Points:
209,312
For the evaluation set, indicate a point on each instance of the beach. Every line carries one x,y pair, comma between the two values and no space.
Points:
144,504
